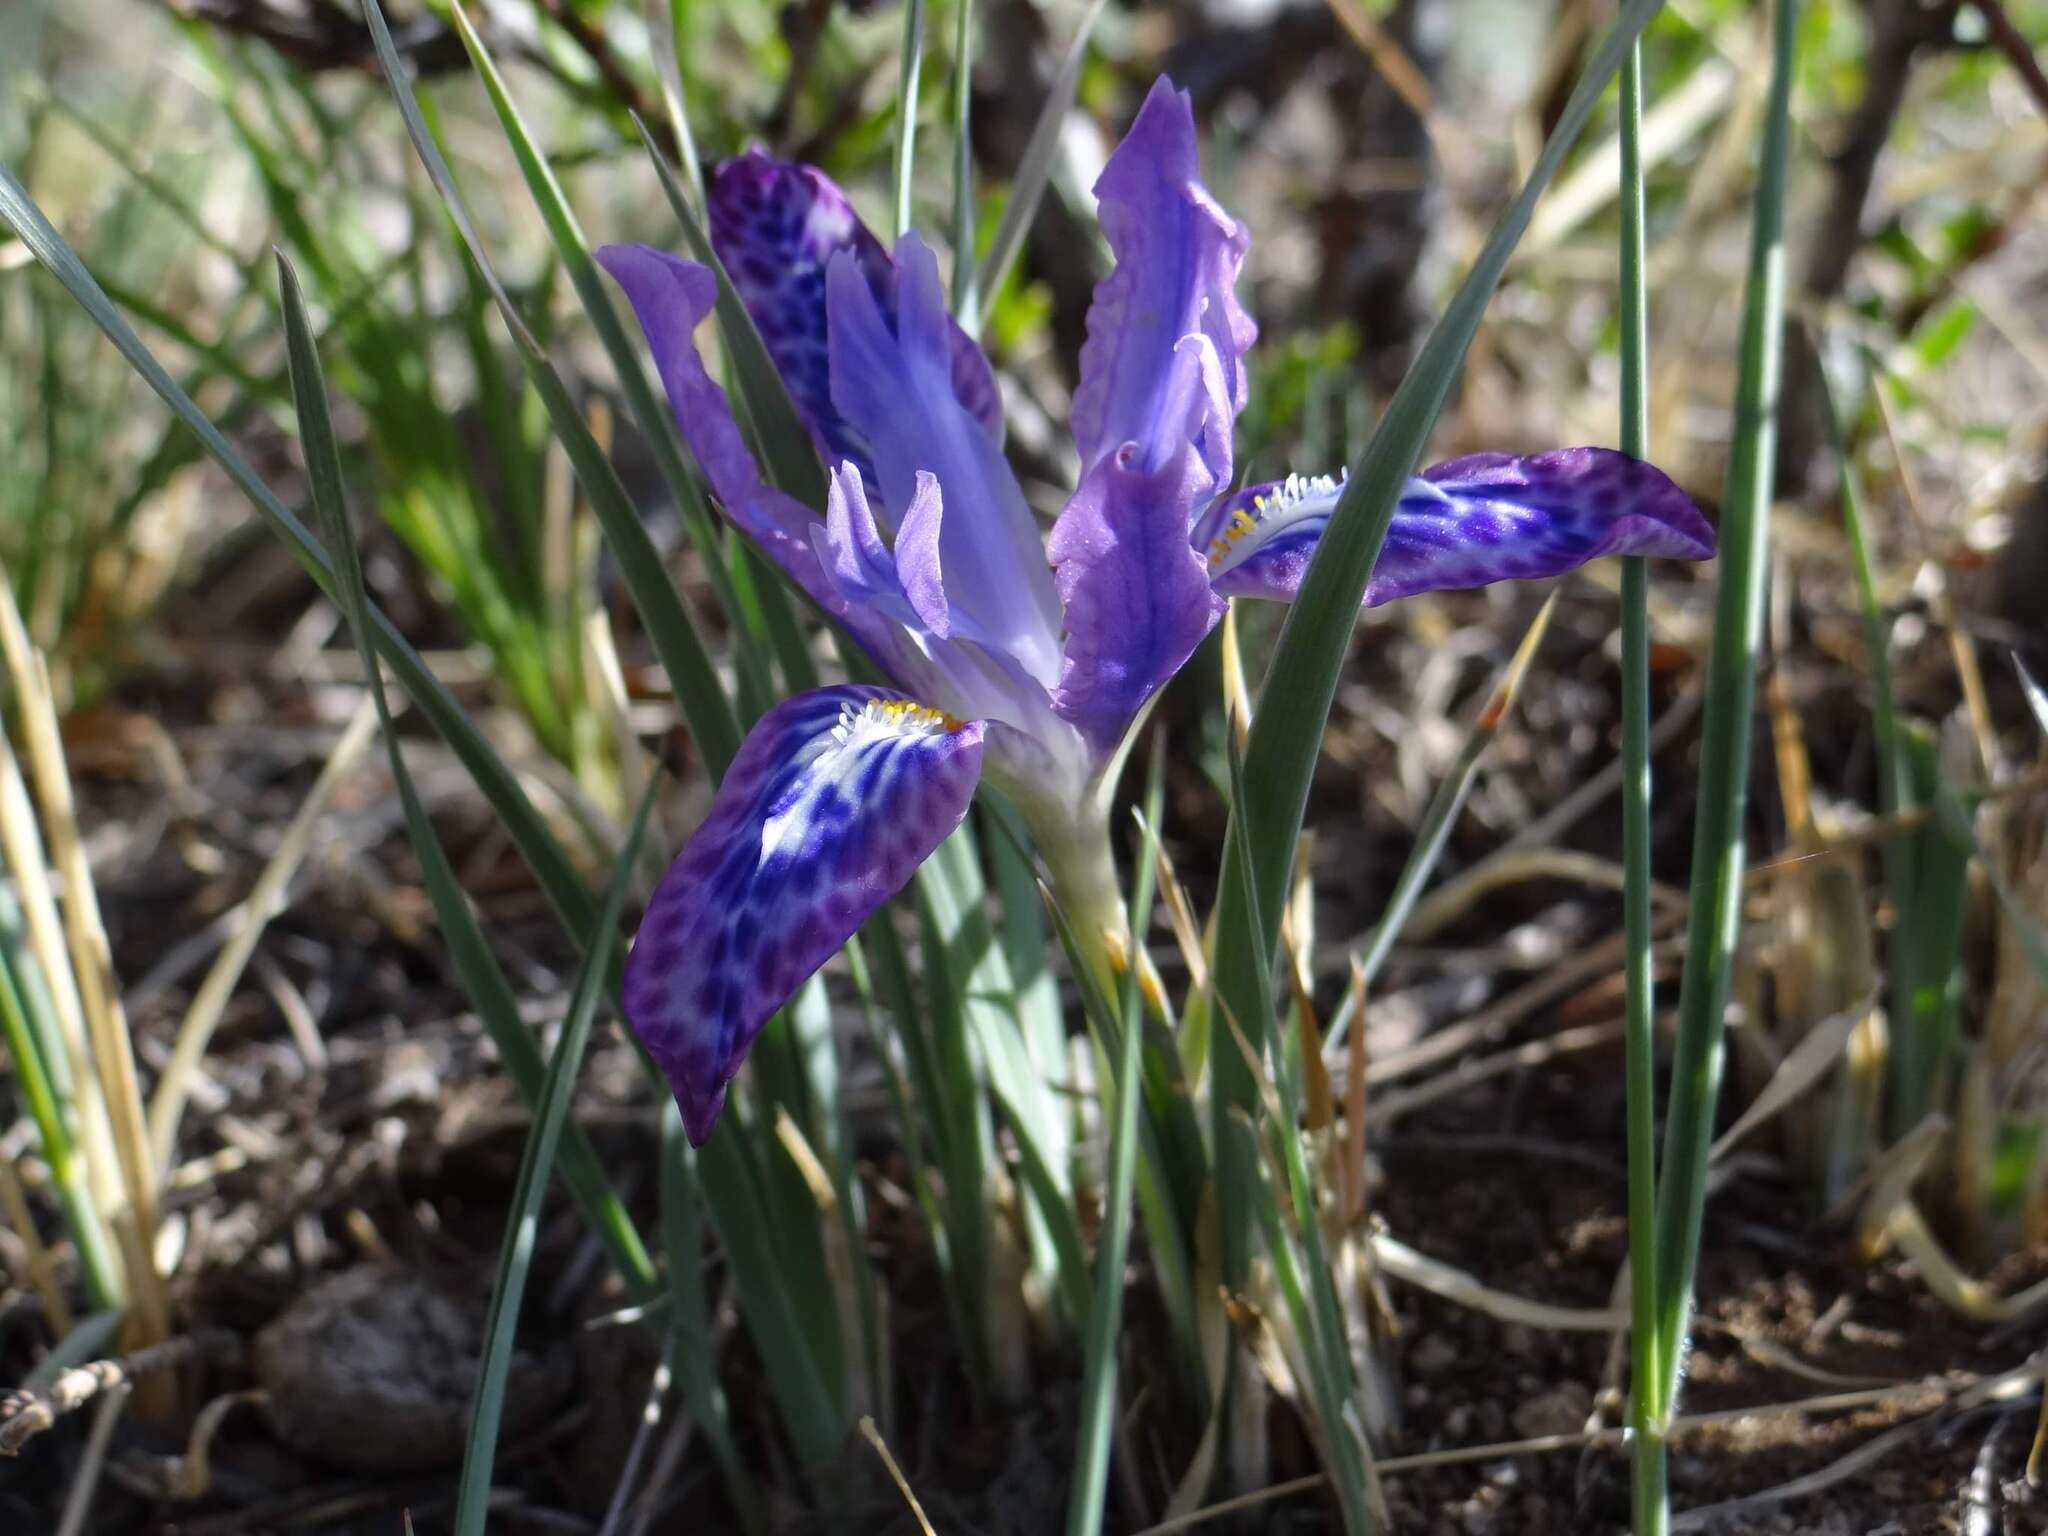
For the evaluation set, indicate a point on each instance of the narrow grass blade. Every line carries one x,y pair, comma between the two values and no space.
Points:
794,1067
669,20
473,1491
1026,1059
1034,171
963,969
732,1190
909,73
42,974
694,1352
1287,734
965,308
670,628
1724,761
1928,943
2036,696
482,979
1897,780
26,1031
111,1063
652,416
1105,1314
1277,1108
1650,1472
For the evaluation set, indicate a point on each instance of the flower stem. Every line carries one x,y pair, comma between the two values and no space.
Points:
1081,863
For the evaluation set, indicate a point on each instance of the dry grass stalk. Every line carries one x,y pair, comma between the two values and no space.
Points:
42,1268
21,850
265,901
113,1056
840,1259
85,1481
2015,1049
874,1438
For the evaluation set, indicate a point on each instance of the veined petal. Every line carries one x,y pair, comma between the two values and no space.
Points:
834,800
920,562
777,226
933,657
853,552
1484,518
1177,259
671,297
1137,594
892,387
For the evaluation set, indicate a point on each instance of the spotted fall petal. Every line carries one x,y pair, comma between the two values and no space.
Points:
834,800
1177,259
776,226
891,385
1136,593
1483,518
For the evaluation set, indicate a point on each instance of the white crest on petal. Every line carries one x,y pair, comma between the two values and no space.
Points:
1274,510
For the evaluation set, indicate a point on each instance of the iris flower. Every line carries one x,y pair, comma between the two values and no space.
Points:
1023,661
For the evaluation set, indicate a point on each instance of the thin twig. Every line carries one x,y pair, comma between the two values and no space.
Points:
26,1414
86,1481
42,1269
266,900
2018,51
874,1438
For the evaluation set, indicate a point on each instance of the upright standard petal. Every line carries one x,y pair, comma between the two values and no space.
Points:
891,385
777,226
1137,594
1484,518
834,800
1177,259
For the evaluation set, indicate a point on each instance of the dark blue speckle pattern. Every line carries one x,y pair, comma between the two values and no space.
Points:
1469,522
776,225
833,801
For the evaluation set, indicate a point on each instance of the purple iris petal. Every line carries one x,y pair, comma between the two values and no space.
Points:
1177,258
777,226
671,297
892,387
853,552
1137,595
919,556
834,800
1483,518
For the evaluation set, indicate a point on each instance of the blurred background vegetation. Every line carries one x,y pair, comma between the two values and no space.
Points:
1893,1000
